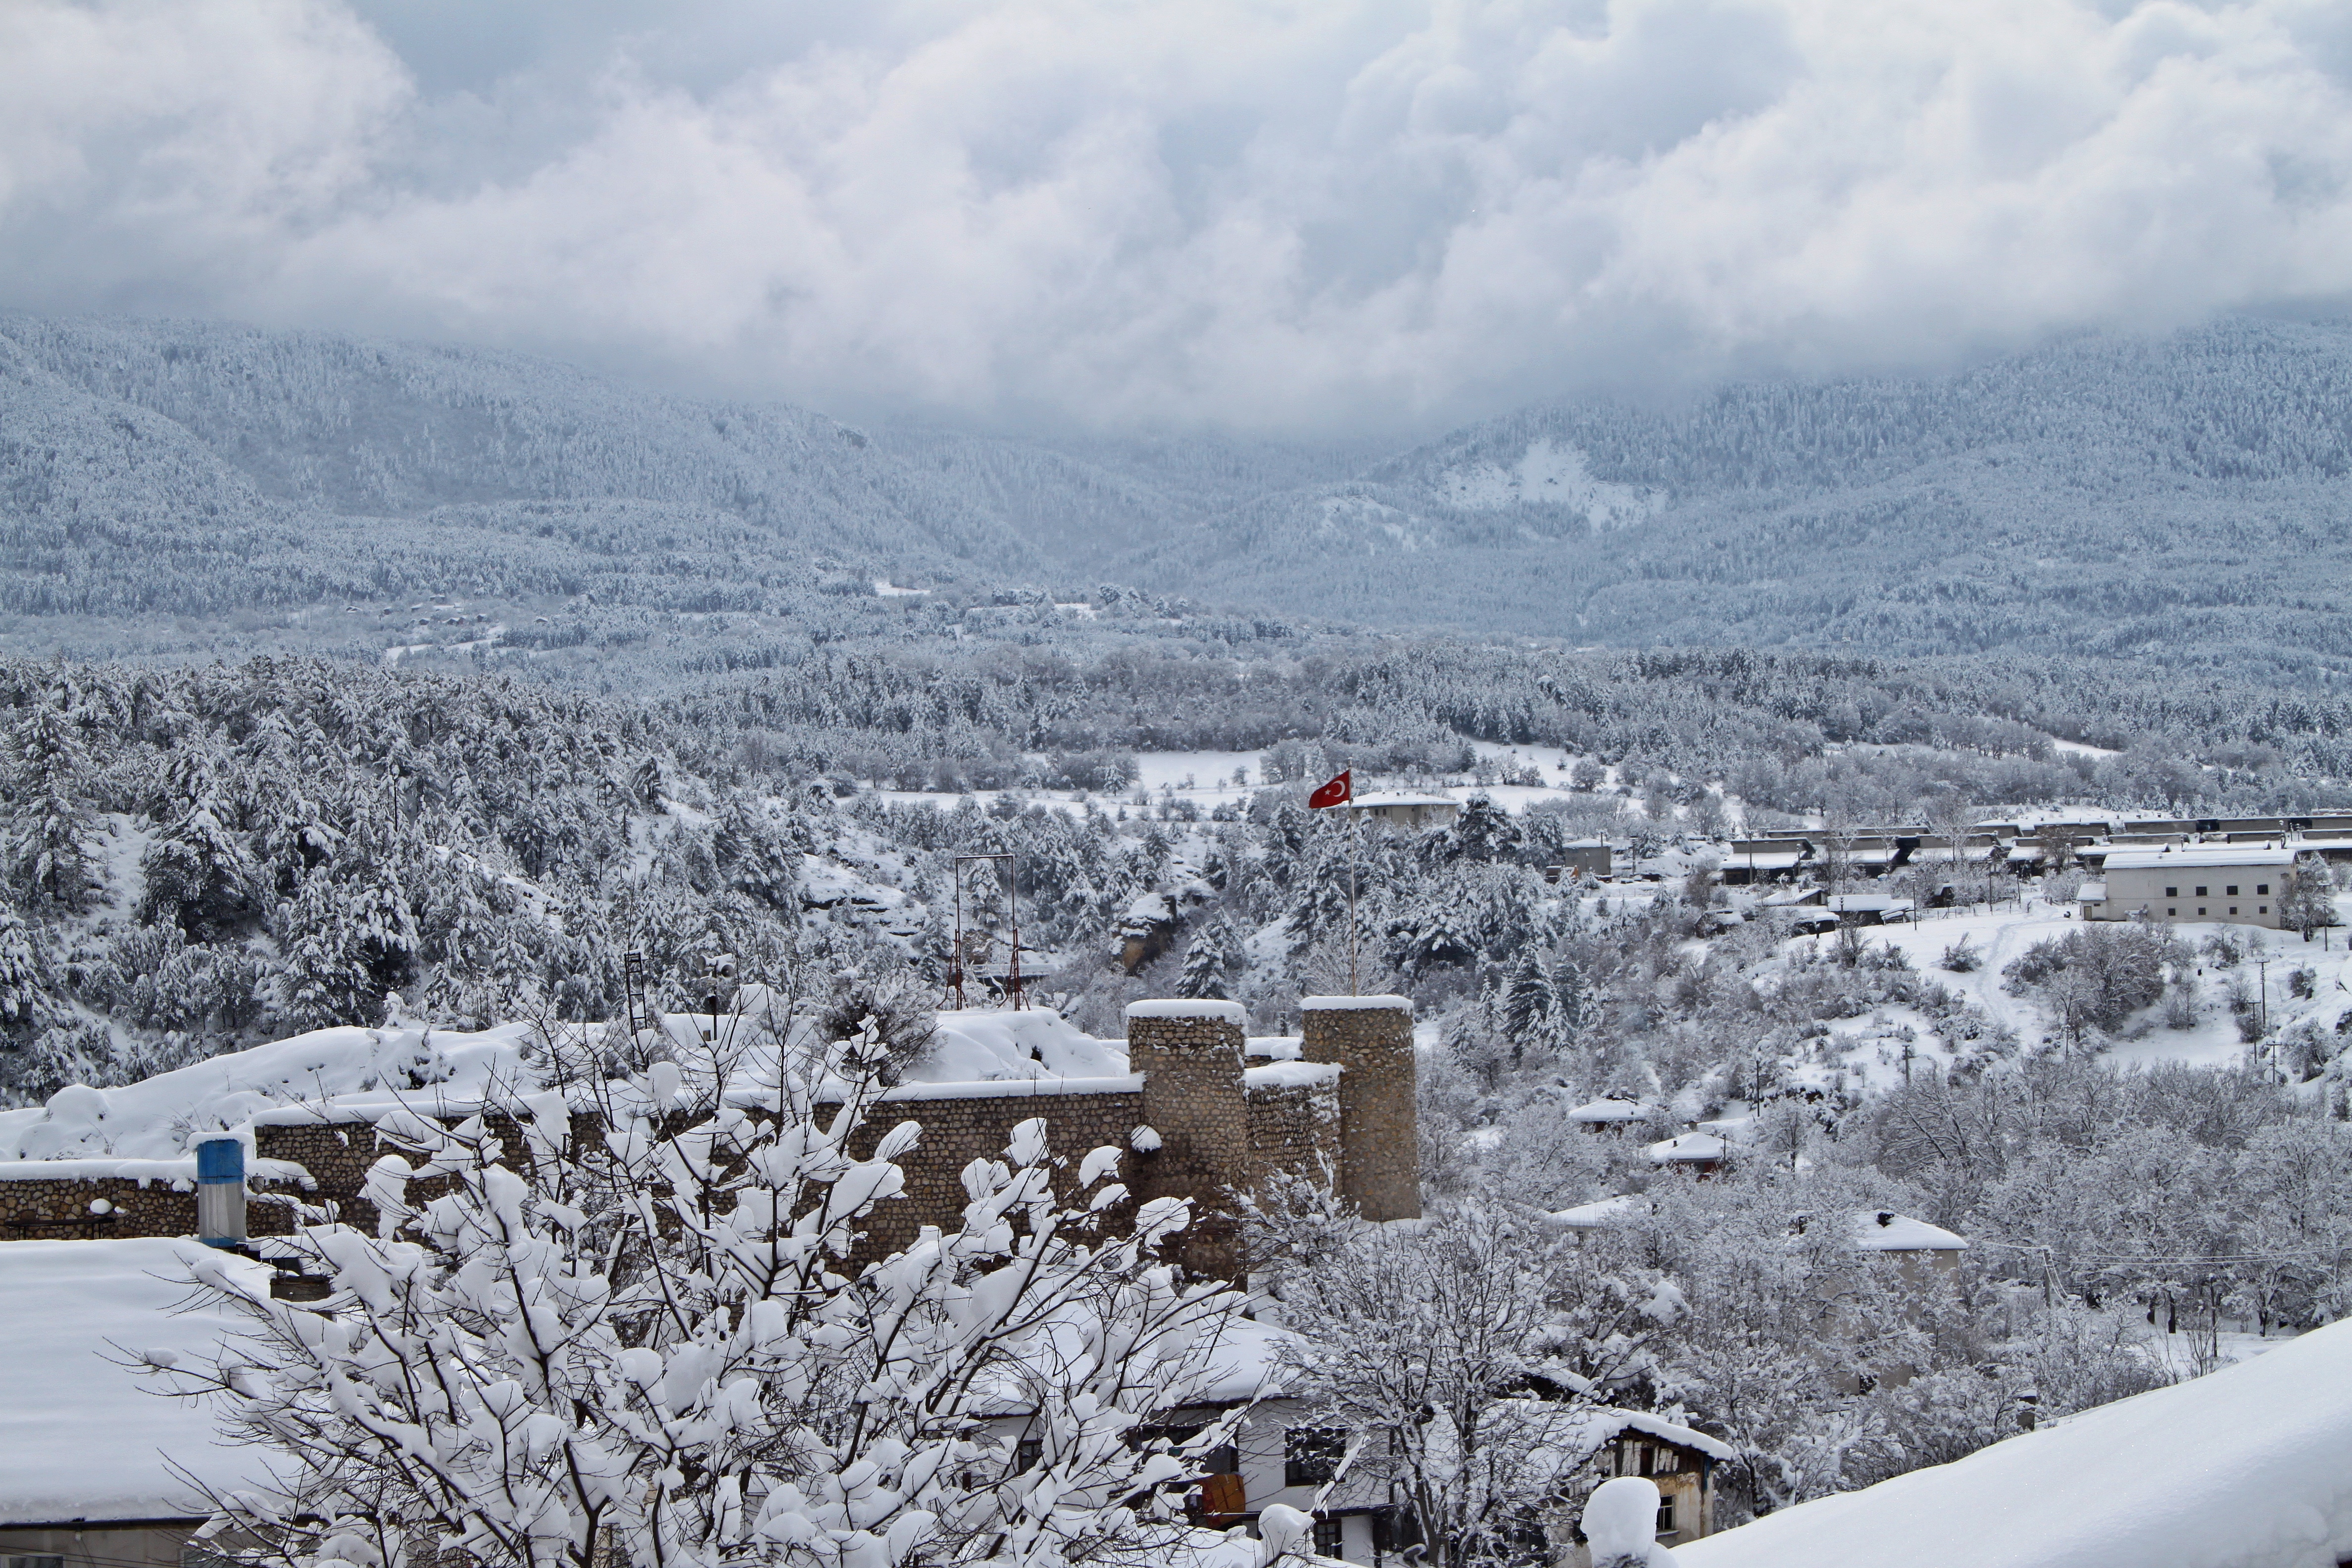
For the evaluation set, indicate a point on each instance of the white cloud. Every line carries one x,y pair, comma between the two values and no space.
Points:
1236,211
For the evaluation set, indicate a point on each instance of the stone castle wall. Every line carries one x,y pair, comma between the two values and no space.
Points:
1219,1127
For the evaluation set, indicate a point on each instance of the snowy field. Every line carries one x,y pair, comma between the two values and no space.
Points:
2000,936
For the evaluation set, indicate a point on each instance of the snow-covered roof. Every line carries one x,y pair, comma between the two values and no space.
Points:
366,1073
1354,1004
1883,1230
1608,1109
2189,857
1597,1215
2091,893
1601,1424
1690,1149
1864,903
1402,797
82,1439
2242,1467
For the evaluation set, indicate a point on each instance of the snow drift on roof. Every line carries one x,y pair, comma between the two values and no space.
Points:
2241,1468
2189,857
84,1440
1881,1230
369,1072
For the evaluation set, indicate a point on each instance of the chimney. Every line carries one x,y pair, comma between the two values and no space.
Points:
220,1191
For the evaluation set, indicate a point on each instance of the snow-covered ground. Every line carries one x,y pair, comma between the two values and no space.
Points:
2000,936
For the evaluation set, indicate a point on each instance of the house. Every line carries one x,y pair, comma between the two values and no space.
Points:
1869,909
1585,857
1605,1213
1700,1153
1403,808
2243,1467
1756,860
1913,1244
1680,1461
2190,883
1609,1113
89,1479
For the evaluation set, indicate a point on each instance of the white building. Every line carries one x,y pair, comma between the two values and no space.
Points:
1403,808
2236,883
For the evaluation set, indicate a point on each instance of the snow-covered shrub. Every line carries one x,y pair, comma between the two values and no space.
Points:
1961,957
634,1318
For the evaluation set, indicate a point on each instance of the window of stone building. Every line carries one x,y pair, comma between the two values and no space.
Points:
2172,911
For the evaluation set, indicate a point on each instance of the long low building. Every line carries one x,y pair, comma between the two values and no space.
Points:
2189,883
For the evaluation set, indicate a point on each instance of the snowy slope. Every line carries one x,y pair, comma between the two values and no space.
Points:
84,1440
2243,1469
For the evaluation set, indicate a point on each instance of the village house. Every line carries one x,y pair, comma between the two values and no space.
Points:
2192,883
1404,808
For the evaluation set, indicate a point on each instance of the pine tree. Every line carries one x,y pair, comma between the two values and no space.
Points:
49,818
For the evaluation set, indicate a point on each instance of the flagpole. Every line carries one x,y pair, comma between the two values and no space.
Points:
1355,827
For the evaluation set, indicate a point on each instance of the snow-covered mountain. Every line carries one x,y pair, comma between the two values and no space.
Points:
2182,498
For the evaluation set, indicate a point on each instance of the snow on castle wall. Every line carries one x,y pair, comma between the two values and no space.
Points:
1217,1123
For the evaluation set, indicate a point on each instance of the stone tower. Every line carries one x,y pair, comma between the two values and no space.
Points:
1190,1054
1379,1151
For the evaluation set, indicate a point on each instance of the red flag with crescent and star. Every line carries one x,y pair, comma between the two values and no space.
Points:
1338,792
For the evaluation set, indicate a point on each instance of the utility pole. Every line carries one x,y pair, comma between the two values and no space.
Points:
2264,1013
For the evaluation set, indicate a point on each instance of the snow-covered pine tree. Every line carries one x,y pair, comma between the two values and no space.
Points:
632,1318
49,820
1206,959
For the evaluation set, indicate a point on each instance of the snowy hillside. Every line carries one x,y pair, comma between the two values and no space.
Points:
2099,495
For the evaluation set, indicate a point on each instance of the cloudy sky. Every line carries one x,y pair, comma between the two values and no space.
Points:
1314,217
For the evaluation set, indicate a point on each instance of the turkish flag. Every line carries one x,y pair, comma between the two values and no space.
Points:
1338,792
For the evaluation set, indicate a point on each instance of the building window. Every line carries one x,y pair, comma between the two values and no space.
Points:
2261,909
2200,908
1027,1454
1327,1538
1311,1455
1665,1513
2171,892
2171,911
17,1562
2233,908
2231,891
2200,892
2261,886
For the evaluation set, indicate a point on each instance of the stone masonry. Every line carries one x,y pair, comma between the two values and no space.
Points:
1372,1040
1189,1056
1222,1126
